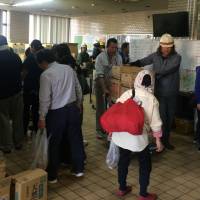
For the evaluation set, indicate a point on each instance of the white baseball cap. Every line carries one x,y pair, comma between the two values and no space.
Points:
166,40
84,45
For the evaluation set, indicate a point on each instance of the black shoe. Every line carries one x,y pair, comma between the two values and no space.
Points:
18,147
169,146
7,151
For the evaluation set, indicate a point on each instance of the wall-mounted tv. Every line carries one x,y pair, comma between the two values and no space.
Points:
176,24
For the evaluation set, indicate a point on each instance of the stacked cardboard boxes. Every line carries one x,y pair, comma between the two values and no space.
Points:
123,79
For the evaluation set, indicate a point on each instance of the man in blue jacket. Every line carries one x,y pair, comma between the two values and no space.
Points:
166,63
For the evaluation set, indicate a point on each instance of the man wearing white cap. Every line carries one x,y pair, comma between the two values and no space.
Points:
166,63
83,57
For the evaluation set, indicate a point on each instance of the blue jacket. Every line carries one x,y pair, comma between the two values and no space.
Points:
197,85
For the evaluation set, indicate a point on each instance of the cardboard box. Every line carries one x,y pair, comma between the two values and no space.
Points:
30,185
124,89
115,89
118,70
5,188
130,69
127,80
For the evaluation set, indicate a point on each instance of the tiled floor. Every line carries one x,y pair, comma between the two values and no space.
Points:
175,175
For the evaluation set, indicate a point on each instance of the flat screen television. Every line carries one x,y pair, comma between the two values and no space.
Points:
176,24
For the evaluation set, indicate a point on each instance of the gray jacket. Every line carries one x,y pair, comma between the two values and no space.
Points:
166,72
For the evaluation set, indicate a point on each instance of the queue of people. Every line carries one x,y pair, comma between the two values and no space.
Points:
50,85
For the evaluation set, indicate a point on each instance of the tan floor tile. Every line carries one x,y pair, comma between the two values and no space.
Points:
166,196
175,174
91,197
58,198
52,195
186,197
175,193
83,191
194,194
102,193
70,195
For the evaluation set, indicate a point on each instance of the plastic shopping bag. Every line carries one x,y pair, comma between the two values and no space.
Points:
40,150
112,158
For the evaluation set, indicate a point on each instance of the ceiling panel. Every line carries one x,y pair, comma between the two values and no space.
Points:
90,7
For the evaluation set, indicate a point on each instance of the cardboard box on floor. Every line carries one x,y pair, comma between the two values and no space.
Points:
30,185
5,188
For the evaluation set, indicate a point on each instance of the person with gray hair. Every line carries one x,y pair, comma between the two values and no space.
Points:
11,101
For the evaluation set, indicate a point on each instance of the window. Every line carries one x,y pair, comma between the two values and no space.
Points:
48,29
5,23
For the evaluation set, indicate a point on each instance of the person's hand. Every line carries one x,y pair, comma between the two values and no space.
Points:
198,107
41,124
159,145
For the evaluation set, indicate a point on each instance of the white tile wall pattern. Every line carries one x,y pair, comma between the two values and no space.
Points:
177,5
128,23
19,27
125,23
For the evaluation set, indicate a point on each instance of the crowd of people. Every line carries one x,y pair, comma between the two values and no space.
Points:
48,88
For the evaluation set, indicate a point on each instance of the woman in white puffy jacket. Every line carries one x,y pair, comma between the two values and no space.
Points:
128,143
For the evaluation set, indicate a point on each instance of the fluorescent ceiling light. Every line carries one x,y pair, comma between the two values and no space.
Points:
4,4
32,2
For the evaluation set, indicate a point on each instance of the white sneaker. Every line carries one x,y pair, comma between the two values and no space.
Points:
80,174
53,181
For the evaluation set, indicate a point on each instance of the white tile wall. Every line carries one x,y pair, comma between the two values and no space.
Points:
177,5
129,23
137,22
19,27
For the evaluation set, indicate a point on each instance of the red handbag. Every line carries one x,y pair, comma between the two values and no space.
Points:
124,117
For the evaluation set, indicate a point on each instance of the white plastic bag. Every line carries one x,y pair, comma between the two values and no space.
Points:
112,158
40,150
